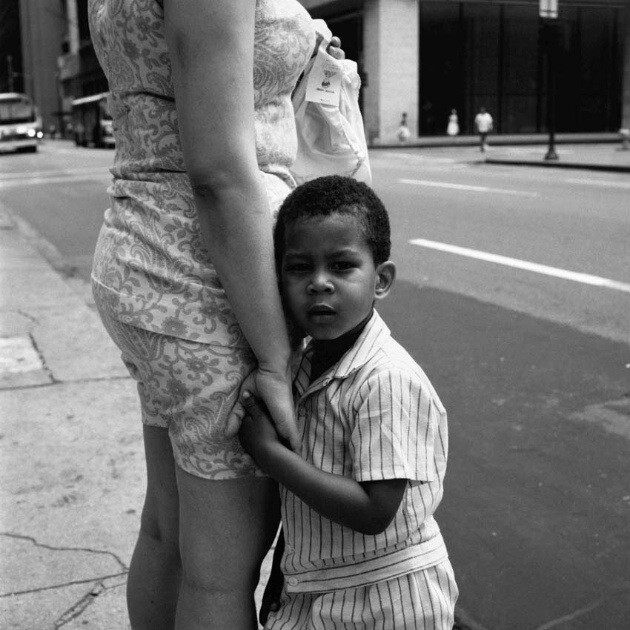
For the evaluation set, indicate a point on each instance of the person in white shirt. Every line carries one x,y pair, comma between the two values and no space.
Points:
362,547
483,122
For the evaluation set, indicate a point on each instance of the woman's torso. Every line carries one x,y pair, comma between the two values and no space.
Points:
150,265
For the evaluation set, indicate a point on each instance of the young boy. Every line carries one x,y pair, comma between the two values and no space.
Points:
362,548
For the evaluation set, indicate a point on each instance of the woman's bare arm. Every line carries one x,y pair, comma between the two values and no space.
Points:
211,45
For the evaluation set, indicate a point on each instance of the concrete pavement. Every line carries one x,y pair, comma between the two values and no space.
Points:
71,452
72,470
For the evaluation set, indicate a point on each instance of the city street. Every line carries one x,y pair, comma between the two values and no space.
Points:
513,293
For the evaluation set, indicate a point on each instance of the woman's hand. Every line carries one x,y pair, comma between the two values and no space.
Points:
334,49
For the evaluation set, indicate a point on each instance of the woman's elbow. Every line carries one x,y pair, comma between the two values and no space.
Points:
211,183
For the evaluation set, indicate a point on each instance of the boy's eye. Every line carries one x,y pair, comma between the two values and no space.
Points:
296,267
342,265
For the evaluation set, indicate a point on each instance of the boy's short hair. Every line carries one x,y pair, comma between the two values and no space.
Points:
324,196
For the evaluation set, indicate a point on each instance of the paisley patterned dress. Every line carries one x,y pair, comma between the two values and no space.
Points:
156,289
150,265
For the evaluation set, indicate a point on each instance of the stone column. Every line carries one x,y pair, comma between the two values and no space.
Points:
391,59
73,26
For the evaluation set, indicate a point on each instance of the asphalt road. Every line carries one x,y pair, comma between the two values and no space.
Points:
528,352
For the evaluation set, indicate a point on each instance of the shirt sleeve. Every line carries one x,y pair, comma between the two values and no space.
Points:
396,425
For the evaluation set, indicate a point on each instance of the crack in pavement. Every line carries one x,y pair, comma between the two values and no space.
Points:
55,383
27,315
42,358
81,606
53,587
122,565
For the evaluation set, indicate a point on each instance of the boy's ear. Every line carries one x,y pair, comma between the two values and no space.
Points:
385,277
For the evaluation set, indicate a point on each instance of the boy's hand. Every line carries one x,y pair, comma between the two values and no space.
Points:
273,390
257,433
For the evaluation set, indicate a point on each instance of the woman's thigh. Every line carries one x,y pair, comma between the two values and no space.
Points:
191,389
226,528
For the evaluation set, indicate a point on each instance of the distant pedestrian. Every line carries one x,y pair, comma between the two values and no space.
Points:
362,547
403,132
453,124
483,122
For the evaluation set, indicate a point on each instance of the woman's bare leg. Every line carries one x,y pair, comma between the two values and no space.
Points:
226,528
155,571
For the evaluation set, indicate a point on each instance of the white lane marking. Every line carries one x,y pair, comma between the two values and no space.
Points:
36,174
565,274
60,179
411,156
485,189
608,183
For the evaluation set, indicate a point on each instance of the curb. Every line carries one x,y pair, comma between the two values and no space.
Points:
618,168
498,140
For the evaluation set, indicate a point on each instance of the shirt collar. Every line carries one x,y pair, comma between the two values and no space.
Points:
364,348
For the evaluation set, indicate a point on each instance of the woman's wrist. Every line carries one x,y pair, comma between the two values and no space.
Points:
278,364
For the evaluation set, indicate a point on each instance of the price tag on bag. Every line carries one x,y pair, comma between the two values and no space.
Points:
324,80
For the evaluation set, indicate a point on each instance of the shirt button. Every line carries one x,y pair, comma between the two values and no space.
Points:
292,581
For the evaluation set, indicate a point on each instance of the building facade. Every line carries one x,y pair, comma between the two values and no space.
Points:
427,57
78,69
31,37
11,75
422,57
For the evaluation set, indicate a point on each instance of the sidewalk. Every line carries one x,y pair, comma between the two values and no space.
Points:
600,157
603,152
72,472
71,452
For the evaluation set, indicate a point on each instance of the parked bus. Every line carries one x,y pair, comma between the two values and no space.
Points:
20,123
91,121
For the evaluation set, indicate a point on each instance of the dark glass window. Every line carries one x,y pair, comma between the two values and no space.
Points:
491,55
82,18
590,71
520,67
441,67
482,55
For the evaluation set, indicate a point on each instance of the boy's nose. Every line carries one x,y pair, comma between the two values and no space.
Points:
320,282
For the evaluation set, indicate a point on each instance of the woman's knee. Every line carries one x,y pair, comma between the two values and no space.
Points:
160,525
160,513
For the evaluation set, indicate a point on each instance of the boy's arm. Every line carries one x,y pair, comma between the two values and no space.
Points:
367,507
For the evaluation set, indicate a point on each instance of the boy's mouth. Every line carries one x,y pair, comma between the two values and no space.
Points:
321,311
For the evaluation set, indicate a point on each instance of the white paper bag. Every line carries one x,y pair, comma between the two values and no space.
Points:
331,137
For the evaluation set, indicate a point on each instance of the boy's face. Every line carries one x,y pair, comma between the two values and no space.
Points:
329,279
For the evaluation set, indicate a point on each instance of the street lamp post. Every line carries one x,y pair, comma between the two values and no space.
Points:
548,11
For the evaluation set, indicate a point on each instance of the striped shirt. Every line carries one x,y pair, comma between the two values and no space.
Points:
374,415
